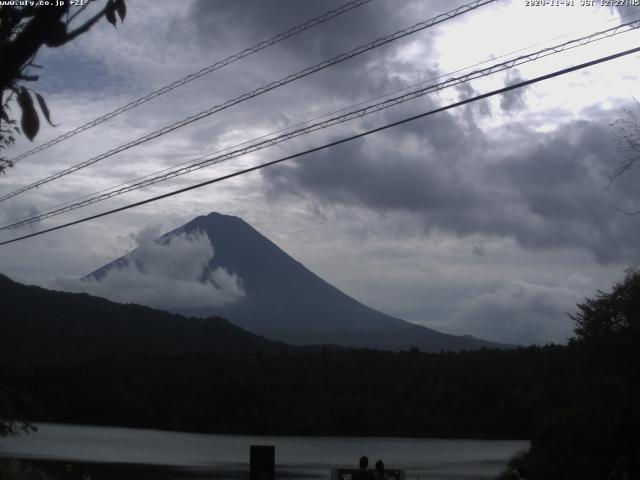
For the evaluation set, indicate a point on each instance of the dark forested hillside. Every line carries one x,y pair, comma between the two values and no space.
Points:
485,393
40,324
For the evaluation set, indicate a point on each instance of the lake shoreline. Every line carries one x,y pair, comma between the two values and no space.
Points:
286,435
136,471
143,471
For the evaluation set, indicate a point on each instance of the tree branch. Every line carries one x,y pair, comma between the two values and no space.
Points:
88,24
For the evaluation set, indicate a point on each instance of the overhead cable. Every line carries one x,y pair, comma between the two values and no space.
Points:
350,115
332,144
266,88
193,76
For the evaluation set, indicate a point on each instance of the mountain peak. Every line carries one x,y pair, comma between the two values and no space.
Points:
215,218
221,217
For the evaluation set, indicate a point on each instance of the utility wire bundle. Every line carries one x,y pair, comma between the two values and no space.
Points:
259,91
195,75
310,126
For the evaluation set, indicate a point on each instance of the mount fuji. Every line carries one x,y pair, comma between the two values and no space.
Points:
280,298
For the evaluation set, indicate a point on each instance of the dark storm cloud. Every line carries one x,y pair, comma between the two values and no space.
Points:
514,100
561,184
548,195
248,21
482,108
232,26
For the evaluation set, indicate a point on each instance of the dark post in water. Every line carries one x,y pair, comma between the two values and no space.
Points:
262,462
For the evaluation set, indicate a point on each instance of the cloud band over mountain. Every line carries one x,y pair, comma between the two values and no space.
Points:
170,274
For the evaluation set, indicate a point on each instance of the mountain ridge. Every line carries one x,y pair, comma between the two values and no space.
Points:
46,325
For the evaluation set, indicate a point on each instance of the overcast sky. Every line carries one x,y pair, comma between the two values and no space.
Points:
492,219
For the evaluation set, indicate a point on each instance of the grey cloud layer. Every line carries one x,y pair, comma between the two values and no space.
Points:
513,100
548,194
248,21
524,312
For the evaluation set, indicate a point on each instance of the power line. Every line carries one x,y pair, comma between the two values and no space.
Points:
335,143
56,206
193,76
266,88
357,113
9,223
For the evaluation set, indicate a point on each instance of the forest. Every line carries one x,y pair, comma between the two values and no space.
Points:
579,403
492,394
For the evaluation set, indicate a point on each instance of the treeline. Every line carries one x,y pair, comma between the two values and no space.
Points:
601,422
481,394
600,426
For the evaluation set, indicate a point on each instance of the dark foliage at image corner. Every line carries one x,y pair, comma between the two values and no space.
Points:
584,438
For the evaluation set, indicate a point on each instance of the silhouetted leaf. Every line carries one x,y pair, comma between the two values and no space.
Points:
56,34
30,123
121,8
43,107
110,13
29,78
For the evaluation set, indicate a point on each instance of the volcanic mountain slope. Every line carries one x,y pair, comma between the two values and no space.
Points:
287,302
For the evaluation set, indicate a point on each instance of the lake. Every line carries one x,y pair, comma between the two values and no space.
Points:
227,455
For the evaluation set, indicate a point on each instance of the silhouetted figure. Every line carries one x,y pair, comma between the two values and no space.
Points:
363,472
379,472
68,471
621,472
634,467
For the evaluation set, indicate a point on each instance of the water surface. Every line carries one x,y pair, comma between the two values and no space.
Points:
423,459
